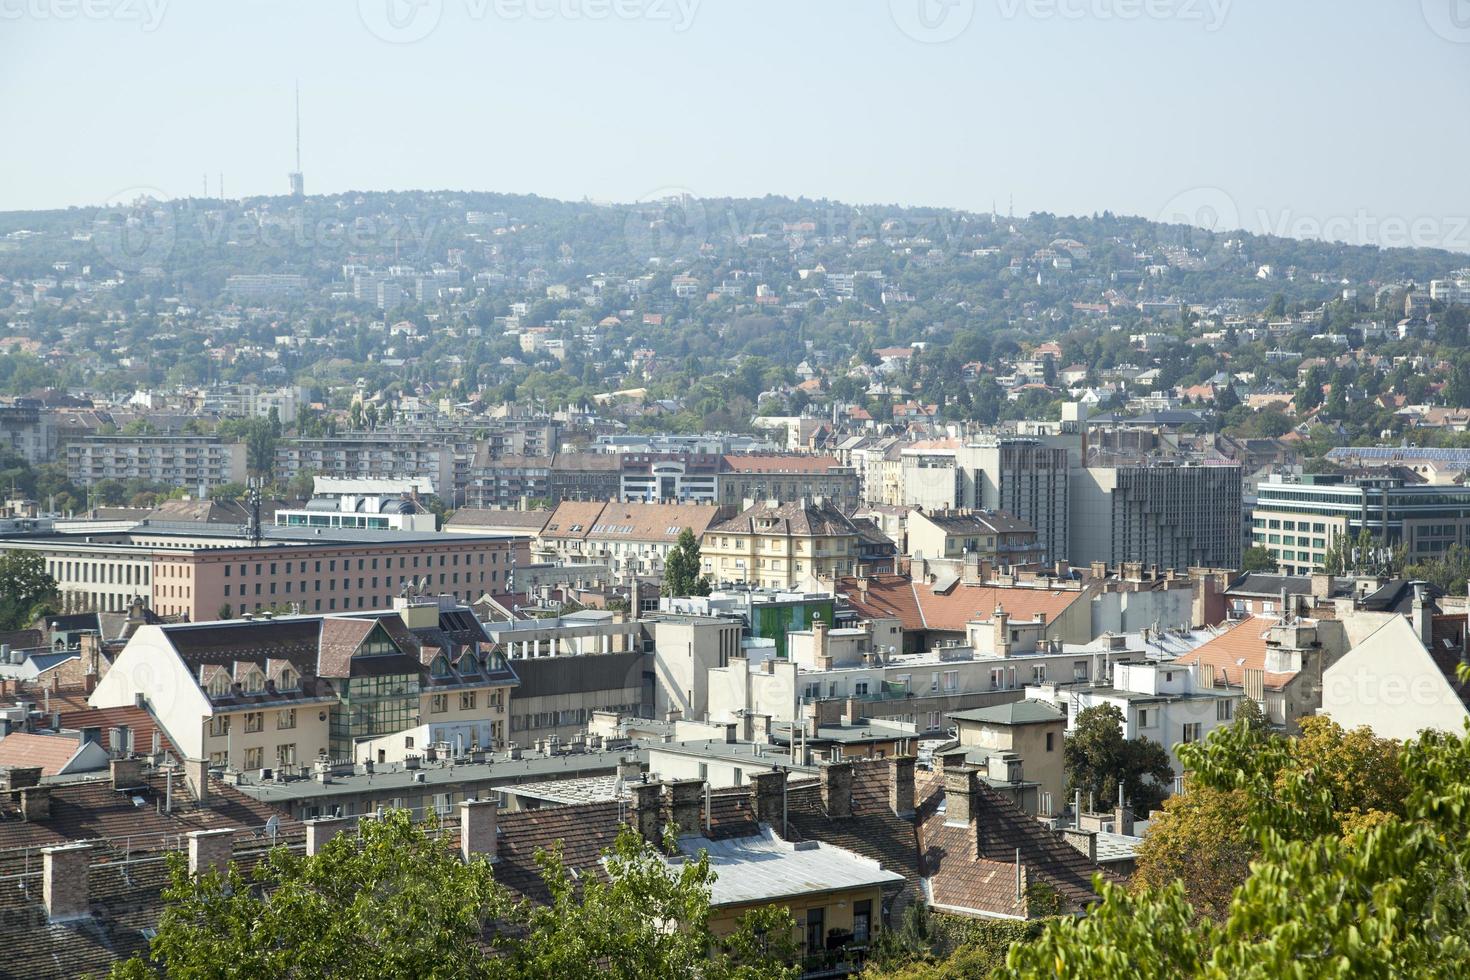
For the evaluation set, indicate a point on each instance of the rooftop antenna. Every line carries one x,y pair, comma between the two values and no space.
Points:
298,184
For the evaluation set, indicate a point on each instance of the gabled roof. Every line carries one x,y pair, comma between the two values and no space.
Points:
802,519
50,752
920,606
1240,648
972,869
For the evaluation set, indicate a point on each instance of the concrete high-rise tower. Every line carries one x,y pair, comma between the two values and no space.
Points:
298,183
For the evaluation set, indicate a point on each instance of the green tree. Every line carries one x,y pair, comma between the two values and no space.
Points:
396,901
1257,559
1333,893
1099,759
682,575
27,590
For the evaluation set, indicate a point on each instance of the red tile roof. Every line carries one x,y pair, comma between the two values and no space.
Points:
918,607
50,752
1241,647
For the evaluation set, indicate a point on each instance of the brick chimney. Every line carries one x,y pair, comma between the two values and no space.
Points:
959,794
321,831
686,800
901,785
127,774
837,789
64,881
211,850
35,803
768,794
196,774
647,800
478,827
1002,623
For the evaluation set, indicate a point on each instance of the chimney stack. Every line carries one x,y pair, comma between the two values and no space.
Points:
686,798
1122,816
127,774
478,829
211,850
1002,632
901,785
35,803
646,804
768,790
196,774
64,881
319,832
837,789
959,795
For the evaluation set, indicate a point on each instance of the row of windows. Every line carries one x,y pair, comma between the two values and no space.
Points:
363,566
445,578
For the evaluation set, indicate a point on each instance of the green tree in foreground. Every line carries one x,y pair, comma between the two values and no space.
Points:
1099,759
1203,838
682,568
27,590
1341,888
396,902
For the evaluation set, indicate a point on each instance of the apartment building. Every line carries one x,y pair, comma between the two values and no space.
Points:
215,571
1170,515
1169,704
267,693
377,456
630,537
956,535
179,461
787,478
1297,522
664,477
781,545
27,430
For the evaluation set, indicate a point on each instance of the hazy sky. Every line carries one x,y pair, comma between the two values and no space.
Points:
1296,116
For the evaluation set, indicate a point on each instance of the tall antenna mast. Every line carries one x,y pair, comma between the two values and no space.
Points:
298,184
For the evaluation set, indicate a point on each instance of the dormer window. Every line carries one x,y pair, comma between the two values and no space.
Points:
440,666
254,682
219,685
287,680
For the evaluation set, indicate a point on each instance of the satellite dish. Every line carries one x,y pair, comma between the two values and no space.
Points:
272,828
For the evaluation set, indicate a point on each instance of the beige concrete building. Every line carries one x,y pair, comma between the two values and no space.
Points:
268,693
780,546
630,537
1020,742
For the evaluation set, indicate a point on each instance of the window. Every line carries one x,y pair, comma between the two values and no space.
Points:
1079,670
219,725
1038,674
951,680
862,921
1051,741
285,719
254,722
286,755
466,700
439,703
1142,717
1191,732
1224,710
254,758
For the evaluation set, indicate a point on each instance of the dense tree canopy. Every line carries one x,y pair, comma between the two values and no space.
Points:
396,901
1363,868
1099,759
